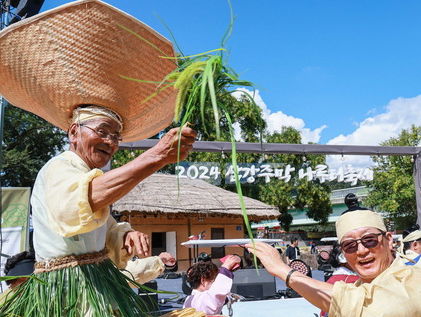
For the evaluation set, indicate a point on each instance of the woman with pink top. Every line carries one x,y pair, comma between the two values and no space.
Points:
210,285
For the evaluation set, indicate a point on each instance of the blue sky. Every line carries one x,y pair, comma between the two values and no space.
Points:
340,71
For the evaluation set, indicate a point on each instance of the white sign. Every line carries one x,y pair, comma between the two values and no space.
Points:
249,173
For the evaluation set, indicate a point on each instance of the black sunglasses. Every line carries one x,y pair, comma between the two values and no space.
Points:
369,241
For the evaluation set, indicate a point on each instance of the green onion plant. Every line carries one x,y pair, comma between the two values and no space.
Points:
203,82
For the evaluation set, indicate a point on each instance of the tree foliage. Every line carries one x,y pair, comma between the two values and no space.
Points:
28,143
297,193
393,185
246,116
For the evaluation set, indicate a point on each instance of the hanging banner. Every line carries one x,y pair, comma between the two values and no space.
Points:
250,173
14,222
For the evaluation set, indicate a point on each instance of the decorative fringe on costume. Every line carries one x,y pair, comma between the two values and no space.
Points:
89,290
70,261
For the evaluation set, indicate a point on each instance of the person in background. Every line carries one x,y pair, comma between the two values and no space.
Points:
249,260
342,272
313,249
412,245
185,286
210,285
17,265
204,257
293,251
351,201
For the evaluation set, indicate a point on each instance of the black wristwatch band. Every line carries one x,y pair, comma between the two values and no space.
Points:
289,276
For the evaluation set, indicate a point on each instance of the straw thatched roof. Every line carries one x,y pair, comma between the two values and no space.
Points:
160,193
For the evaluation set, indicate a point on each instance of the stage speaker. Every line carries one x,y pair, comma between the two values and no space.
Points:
149,297
250,284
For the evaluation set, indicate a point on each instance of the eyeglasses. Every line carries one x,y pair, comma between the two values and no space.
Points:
104,134
369,241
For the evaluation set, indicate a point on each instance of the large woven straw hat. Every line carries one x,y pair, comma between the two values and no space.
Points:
75,54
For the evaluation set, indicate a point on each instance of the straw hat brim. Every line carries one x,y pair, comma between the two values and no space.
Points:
77,54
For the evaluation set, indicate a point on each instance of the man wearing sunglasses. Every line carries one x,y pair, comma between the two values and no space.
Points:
386,286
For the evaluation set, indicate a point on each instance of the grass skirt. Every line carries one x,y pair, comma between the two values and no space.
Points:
97,290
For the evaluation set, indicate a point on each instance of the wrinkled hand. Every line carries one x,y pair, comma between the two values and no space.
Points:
231,261
137,243
268,255
167,259
167,147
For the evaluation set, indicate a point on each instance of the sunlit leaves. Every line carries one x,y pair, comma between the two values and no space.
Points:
393,185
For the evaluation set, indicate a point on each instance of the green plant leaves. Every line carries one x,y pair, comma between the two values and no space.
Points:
203,83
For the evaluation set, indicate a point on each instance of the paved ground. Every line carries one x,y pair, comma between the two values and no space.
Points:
291,307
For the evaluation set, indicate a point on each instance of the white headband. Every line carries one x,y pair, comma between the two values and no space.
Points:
89,112
358,219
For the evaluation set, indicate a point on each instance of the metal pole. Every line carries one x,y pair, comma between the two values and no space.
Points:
280,148
4,8
417,182
2,110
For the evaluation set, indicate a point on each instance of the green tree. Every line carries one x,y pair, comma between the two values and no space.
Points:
393,185
297,193
245,114
248,117
28,143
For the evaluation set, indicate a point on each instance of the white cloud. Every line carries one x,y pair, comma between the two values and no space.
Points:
400,113
276,120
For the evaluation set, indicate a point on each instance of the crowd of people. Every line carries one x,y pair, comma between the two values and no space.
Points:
84,260
370,278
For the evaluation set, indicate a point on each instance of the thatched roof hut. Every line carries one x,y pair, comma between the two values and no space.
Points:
161,194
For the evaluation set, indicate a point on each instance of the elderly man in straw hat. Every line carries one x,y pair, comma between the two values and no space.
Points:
386,287
68,65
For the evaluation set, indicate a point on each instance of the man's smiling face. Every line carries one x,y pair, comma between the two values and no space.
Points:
88,141
369,262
